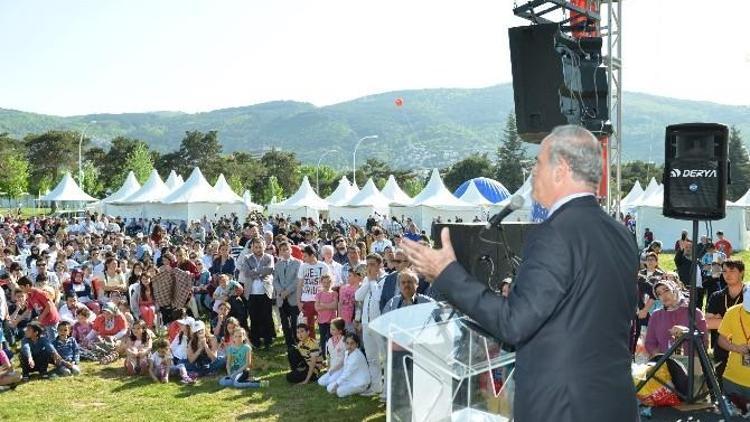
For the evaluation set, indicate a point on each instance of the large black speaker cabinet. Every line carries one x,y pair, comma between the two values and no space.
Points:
696,171
557,80
481,251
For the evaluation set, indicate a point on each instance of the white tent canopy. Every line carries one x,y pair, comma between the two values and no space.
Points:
193,200
67,191
634,193
368,202
304,203
524,214
137,205
393,192
343,193
668,230
744,200
225,191
652,187
434,201
473,196
152,191
129,187
173,181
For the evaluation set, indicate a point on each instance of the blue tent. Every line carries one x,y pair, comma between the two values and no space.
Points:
491,189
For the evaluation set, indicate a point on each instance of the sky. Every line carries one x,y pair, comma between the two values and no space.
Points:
106,56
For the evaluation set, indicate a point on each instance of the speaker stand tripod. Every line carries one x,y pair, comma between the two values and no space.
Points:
694,338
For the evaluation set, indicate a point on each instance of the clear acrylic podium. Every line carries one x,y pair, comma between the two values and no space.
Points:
440,367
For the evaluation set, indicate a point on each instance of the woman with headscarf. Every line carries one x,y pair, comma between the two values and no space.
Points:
669,323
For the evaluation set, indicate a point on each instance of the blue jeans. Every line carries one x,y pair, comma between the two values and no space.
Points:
241,380
204,366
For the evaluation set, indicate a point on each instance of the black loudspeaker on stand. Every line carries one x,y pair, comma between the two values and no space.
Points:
695,181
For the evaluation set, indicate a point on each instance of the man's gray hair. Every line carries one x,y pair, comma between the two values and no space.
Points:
580,149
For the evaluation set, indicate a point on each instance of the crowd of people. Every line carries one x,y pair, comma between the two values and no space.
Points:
202,298
722,309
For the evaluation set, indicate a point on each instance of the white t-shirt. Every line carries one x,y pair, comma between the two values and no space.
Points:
310,275
157,360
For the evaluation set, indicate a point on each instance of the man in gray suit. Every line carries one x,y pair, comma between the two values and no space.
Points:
570,308
285,286
256,274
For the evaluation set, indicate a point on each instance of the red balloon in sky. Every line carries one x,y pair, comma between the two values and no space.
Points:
399,102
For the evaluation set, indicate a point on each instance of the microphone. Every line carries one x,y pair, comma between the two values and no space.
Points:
516,202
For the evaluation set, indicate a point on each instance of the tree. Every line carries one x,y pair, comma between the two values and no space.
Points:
14,174
272,190
740,165
115,166
284,166
329,178
51,154
201,150
235,182
412,186
642,171
139,162
91,180
245,171
511,157
475,165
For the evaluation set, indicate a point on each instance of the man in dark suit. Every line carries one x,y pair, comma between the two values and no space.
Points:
570,308
285,286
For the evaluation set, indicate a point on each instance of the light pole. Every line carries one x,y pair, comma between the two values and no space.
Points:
317,170
80,160
354,157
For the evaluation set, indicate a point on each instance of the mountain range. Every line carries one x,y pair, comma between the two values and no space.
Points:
426,128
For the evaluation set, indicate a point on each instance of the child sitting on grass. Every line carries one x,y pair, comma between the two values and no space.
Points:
161,363
138,349
8,377
239,361
335,351
68,351
304,358
37,353
354,377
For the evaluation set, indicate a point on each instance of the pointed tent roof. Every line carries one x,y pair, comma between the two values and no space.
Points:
369,196
68,190
152,191
393,192
436,195
655,199
304,197
225,191
652,187
473,196
343,193
634,194
173,181
744,200
195,190
129,187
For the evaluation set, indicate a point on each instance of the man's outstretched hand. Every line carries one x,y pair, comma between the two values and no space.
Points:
427,261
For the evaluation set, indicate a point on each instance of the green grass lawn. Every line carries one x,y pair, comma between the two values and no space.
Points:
26,212
106,393
666,260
